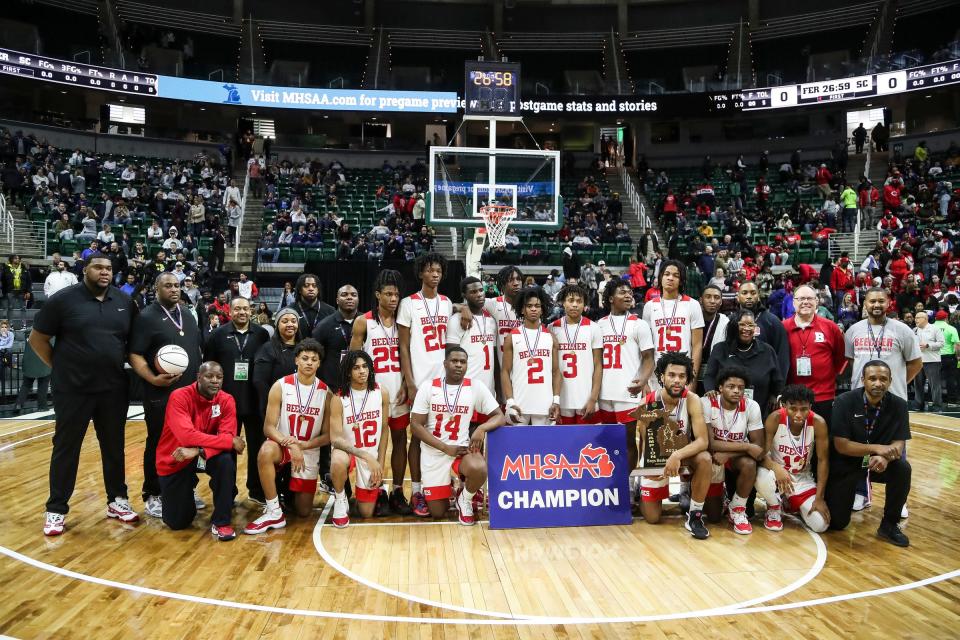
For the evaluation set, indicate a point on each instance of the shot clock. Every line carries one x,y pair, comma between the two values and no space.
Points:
492,90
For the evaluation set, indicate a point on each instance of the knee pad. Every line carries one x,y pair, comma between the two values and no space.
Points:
766,485
814,521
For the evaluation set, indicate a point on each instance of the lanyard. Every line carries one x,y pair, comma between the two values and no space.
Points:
303,314
621,335
506,309
451,409
241,345
576,333
426,309
531,351
708,334
673,312
723,417
804,336
801,447
343,332
876,344
353,407
178,323
383,329
675,414
870,423
480,327
301,407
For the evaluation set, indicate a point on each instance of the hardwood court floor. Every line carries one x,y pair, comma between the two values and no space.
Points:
405,578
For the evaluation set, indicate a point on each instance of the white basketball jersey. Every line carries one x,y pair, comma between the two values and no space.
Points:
449,408
732,426
480,343
507,320
576,343
301,408
427,320
383,346
532,372
793,452
672,323
622,339
363,418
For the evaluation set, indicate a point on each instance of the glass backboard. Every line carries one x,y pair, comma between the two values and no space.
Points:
464,179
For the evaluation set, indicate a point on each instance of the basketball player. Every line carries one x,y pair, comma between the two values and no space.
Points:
479,340
680,406
530,373
446,404
785,472
377,333
735,428
296,426
358,436
509,282
579,352
626,359
675,319
422,330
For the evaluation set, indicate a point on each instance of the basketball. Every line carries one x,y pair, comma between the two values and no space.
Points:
171,359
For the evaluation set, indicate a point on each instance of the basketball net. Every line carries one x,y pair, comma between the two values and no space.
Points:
496,218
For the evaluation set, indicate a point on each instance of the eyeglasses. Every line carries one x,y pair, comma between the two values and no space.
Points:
802,298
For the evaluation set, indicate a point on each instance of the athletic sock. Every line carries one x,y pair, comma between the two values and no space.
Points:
738,501
417,487
341,495
469,494
695,506
273,505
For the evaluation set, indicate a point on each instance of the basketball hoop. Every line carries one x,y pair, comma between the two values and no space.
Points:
496,218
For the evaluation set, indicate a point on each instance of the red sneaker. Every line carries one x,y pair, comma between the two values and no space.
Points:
120,509
54,524
479,500
419,504
224,533
772,520
266,522
738,516
465,510
341,511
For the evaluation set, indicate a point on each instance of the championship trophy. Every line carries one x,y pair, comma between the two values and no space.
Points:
660,437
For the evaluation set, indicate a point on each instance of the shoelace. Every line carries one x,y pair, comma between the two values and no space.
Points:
55,518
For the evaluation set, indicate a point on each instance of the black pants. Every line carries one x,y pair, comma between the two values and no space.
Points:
74,411
252,426
154,412
42,385
951,376
177,491
842,485
824,409
216,262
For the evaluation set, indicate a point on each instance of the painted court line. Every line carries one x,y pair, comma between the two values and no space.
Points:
19,442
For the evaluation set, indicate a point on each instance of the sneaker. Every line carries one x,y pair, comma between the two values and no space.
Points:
260,501
154,507
892,534
465,509
54,524
120,509
224,533
198,502
268,520
419,505
904,514
773,522
738,516
695,526
860,503
478,502
398,503
325,485
382,507
341,511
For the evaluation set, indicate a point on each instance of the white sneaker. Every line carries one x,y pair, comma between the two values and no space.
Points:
465,509
120,509
54,524
904,513
153,507
860,503
268,520
198,502
341,511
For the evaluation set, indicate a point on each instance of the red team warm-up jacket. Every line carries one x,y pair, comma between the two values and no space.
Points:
193,421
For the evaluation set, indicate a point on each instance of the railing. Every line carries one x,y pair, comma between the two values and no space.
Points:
243,214
6,220
633,196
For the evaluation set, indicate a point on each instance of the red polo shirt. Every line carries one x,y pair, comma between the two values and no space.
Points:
193,421
822,341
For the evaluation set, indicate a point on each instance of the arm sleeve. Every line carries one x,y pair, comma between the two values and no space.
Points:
421,404
840,422
911,345
179,420
403,314
48,319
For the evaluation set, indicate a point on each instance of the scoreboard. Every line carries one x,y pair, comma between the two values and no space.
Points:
492,90
28,65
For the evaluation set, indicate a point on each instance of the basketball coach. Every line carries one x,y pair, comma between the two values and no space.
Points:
91,323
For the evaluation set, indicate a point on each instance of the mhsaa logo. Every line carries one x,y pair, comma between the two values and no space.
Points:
593,461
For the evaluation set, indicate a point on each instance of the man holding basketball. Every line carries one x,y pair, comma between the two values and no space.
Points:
165,322
82,391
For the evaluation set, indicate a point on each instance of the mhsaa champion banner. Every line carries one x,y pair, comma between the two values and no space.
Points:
565,476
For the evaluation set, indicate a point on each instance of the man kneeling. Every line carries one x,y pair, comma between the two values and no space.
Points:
359,434
682,411
447,404
199,434
296,426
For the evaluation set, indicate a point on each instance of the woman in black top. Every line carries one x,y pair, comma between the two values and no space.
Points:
758,358
275,359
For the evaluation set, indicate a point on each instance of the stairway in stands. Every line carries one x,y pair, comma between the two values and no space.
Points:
630,214
29,239
249,234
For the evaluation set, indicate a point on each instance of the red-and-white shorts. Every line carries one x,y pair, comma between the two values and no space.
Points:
363,489
436,469
570,417
615,412
305,480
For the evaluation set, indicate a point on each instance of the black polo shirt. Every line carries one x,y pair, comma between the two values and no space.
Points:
850,418
333,333
310,317
227,346
91,338
153,329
